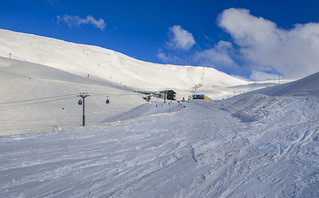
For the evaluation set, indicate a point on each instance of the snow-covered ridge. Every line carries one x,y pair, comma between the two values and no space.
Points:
109,65
304,86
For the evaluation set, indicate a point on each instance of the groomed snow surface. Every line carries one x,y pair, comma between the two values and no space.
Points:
200,149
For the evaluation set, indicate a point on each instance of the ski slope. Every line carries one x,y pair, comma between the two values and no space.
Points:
200,150
39,98
263,143
42,77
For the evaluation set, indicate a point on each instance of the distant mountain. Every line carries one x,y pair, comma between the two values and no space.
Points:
93,61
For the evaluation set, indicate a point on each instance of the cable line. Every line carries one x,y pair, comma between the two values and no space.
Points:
108,94
33,103
36,99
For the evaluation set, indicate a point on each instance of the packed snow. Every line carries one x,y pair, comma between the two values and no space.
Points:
197,150
263,143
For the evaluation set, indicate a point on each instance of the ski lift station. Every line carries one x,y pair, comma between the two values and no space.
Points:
166,94
201,96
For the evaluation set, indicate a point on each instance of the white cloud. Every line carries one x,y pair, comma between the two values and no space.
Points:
219,56
180,38
172,58
163,57
293,53
260,75
77,21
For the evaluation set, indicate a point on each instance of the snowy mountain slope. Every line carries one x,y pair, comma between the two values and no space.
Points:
37,98
252,145
276,159
255,104
198,151
114,67
41,78
304,86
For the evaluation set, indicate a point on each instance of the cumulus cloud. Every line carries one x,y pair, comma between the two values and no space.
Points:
267,48
77,21
219,56
180,38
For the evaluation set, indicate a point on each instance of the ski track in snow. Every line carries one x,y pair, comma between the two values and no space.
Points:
251,145
197,151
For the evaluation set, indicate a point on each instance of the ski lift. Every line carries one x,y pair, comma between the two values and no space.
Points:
80,102
107,100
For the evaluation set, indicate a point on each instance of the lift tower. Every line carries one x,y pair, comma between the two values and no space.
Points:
83,96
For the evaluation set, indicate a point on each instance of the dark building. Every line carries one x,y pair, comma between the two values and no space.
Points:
171,95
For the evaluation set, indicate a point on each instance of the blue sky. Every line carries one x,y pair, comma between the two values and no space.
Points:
255,39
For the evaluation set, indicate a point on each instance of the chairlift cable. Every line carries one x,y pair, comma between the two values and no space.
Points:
33,103
36,99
